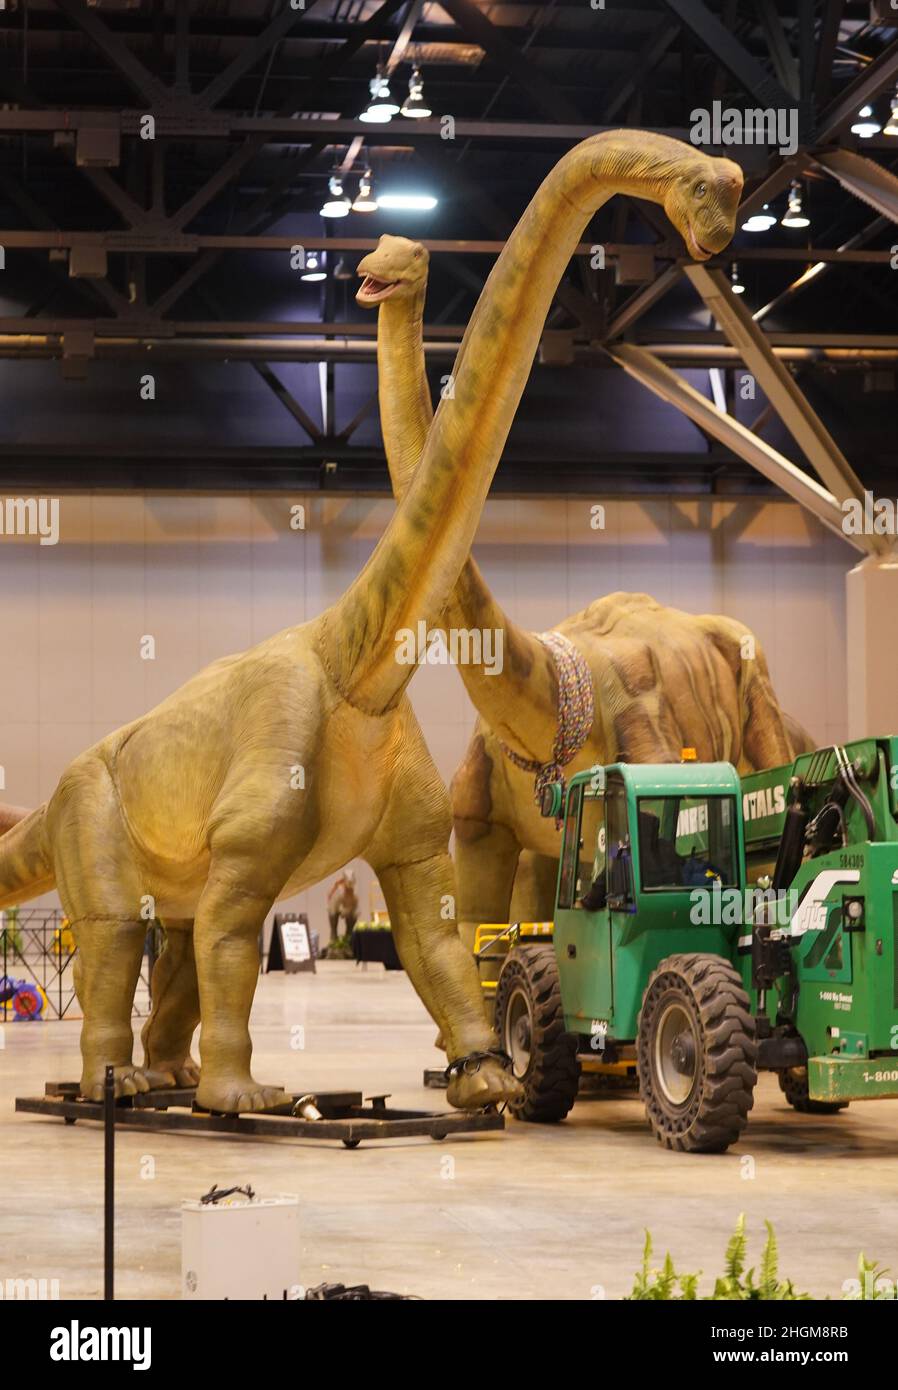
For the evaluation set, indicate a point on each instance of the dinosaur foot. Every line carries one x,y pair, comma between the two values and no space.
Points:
241,1094
129,1081
185,1073
481,1079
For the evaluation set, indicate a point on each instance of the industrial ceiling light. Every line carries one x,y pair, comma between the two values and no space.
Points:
337,205
891,125
407,202
314,267
415,105
342,271
365,200
866,124
735,280
794,215
381,108
760,221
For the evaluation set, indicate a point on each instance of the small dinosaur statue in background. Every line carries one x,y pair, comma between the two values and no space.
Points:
342,901
659,679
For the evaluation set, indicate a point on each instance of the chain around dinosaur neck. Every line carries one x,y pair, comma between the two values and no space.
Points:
576,710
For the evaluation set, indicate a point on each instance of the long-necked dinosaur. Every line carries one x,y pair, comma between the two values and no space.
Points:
659,679
271,769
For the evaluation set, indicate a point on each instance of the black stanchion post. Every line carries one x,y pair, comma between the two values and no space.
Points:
109,1185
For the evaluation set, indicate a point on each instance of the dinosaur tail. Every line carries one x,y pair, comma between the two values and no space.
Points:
25,867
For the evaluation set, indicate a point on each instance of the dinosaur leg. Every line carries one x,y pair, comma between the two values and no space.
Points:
228,920
411,861
486,859
533,899
486,847
106,972
766,741
103,898
168,1032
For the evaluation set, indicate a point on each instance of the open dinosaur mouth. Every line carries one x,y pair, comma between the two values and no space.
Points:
372,290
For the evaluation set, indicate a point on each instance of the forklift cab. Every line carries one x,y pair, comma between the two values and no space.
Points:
641,845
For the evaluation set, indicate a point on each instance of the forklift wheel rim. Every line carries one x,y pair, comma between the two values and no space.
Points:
518,1030
675,1033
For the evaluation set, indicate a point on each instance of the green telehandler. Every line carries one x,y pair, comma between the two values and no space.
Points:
708,927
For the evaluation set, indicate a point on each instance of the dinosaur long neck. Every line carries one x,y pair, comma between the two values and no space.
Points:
520,702
414,568
403,394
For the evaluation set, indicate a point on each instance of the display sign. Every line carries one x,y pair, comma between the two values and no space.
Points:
291,944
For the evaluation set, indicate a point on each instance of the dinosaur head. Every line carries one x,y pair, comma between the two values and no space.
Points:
702,203
396,268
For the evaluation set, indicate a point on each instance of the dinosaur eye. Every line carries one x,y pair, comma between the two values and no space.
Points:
700,190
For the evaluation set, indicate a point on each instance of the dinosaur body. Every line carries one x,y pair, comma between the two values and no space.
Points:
271,769
254,780
661,679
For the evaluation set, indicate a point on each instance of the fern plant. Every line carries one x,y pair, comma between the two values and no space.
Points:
736,1284
660,1284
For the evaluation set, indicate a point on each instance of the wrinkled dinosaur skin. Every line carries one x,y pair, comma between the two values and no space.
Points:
663,679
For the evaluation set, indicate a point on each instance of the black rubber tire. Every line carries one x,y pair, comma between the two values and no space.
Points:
552,1077
794,1086
709,993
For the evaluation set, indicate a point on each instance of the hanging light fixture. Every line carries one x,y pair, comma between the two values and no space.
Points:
891,125
415,104
866,123
794,215
314,267
381,108
342,271
365,200
337,204
760,221
736,284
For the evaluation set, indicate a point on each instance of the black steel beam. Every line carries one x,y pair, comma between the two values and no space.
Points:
618,473
277,29
718,40
866,87
474,23
781,55
828,37
653,50
305,97
116,50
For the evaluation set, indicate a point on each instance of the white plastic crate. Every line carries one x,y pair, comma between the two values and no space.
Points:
241,1249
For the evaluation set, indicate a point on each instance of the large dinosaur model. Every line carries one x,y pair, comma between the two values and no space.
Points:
642,681
271,769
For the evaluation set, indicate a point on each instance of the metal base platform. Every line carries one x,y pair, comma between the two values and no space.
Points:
344,1116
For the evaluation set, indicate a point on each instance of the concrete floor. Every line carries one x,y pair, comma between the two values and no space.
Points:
537,1212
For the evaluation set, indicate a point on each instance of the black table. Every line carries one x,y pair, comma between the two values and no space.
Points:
375,945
